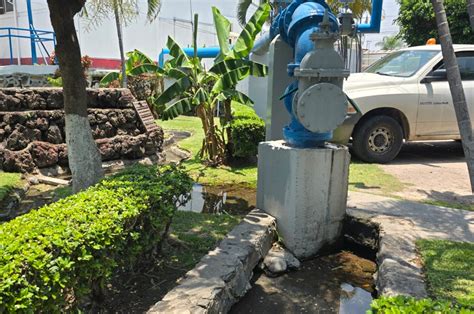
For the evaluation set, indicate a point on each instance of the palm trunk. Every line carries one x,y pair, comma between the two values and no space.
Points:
84,157
455,85
118,25
470,11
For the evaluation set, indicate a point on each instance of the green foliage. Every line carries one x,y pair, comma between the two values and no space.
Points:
137,64
449,270
8,181
248,130
417,21
408,305
96,11
390,43
196,88
55,81
54,256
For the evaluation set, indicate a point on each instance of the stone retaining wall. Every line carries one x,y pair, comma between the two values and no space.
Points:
32,128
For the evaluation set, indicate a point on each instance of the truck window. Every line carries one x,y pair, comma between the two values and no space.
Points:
466,65
402,63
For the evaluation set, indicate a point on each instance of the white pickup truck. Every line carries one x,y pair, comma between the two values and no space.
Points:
405,97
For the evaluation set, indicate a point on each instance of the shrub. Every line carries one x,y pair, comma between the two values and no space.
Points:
418,23
58,254
247,131
408,305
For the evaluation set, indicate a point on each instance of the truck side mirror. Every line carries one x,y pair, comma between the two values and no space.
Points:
435,76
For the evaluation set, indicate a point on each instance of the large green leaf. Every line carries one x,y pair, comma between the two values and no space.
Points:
223,27
230,79
256,69
109,78
242,8
154,7
245,42
200,96
179,88
136,58
177,108
238,97
176,74
180,59
146,68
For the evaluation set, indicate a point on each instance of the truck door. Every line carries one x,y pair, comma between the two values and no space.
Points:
436,115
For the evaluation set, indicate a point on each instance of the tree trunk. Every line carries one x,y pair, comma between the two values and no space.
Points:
118,24
84,157
455,85
470,11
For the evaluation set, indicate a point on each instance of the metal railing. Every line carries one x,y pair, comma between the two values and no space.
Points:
38,37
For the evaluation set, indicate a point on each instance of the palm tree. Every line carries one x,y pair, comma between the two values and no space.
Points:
455,85
390,43
124,12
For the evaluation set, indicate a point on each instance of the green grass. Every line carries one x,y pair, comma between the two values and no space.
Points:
449,269
365,177
196,234
371,178
8,181
245,175
450,204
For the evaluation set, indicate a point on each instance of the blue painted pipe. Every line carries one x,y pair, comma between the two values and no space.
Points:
34,58
295,24
207,52
375,19
373,27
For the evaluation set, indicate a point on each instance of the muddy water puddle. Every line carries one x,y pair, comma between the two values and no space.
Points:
234,200
337,283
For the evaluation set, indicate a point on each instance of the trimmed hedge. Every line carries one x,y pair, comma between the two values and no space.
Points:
408,305
53,257
247,130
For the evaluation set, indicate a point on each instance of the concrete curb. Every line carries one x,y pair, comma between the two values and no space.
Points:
401,223
399,271
223,276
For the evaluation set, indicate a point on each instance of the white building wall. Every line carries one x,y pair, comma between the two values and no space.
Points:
101,42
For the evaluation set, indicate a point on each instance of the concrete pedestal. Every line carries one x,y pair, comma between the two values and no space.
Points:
306,191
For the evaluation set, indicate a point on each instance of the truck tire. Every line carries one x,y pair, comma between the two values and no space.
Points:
378,140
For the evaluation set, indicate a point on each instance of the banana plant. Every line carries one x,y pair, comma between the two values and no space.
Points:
137,63
196,88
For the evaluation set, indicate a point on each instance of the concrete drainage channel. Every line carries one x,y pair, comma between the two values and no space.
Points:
225,275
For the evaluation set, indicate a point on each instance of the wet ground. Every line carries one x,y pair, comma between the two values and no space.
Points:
234,200
337,283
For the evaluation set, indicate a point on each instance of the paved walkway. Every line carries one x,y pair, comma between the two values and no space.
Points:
402,223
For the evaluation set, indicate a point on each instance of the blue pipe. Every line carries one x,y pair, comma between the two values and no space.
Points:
375,19
207,52
34,58
278,25
295,24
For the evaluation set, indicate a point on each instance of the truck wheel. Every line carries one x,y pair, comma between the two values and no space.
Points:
378,140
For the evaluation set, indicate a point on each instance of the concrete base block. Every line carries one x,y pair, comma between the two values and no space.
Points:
306,191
